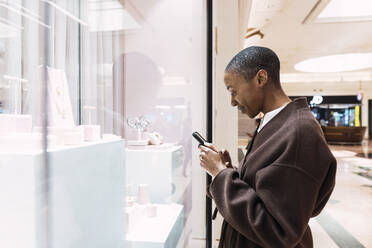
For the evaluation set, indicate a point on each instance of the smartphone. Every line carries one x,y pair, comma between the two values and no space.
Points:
199,138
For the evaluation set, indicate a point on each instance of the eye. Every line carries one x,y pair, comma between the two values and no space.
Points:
233,93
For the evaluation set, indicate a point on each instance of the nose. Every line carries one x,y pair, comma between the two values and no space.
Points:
233,102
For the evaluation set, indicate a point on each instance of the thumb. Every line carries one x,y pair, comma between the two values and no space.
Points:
210,146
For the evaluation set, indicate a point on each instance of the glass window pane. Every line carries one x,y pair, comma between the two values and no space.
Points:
138,75
98,100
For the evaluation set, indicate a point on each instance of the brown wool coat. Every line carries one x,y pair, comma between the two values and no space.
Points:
285,179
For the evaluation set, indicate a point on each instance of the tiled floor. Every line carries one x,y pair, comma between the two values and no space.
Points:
346,221
351,201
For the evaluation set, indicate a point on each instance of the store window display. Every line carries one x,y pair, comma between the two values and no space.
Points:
97,118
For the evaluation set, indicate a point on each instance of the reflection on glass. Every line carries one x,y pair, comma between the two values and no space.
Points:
111,71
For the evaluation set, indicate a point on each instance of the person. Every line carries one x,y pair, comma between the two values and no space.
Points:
288,172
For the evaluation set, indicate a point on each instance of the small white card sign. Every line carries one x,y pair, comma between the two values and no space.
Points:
59,99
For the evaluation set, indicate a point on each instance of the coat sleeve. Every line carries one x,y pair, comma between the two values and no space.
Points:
276,213
208,192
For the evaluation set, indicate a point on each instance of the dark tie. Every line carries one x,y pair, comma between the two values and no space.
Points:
249,148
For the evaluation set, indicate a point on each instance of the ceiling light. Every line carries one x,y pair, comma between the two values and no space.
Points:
346,10
336,63
325,77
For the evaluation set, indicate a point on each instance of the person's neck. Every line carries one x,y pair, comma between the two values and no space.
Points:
275,99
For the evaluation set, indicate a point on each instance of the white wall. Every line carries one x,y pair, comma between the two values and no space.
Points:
226,19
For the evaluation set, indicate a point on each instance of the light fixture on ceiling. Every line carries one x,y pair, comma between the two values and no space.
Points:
348,10
336,63
325,77
339,11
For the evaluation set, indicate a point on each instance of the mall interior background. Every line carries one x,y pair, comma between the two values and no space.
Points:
98,100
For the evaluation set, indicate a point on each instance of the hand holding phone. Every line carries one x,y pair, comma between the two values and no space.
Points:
225,156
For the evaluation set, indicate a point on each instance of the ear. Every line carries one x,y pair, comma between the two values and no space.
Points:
262,77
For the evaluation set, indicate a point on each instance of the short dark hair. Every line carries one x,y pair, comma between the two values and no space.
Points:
252,59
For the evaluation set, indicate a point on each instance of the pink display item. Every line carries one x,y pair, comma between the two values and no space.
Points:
65,136
127,226
130,200
143,194
151,210
24,142
15,124
23,123
91,132
72,138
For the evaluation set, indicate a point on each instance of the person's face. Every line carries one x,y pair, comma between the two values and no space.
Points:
246,95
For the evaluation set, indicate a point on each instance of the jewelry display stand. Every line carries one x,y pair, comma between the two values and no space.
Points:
61,120
161,164
91,132
140,124
60,108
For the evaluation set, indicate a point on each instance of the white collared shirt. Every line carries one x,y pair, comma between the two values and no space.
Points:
268,116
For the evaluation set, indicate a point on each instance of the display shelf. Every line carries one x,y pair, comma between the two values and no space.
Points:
162,231
155,166
31,143
181,183
86,192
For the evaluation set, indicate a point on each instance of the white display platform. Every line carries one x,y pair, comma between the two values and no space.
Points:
162,231
155,166
87,192
15,123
